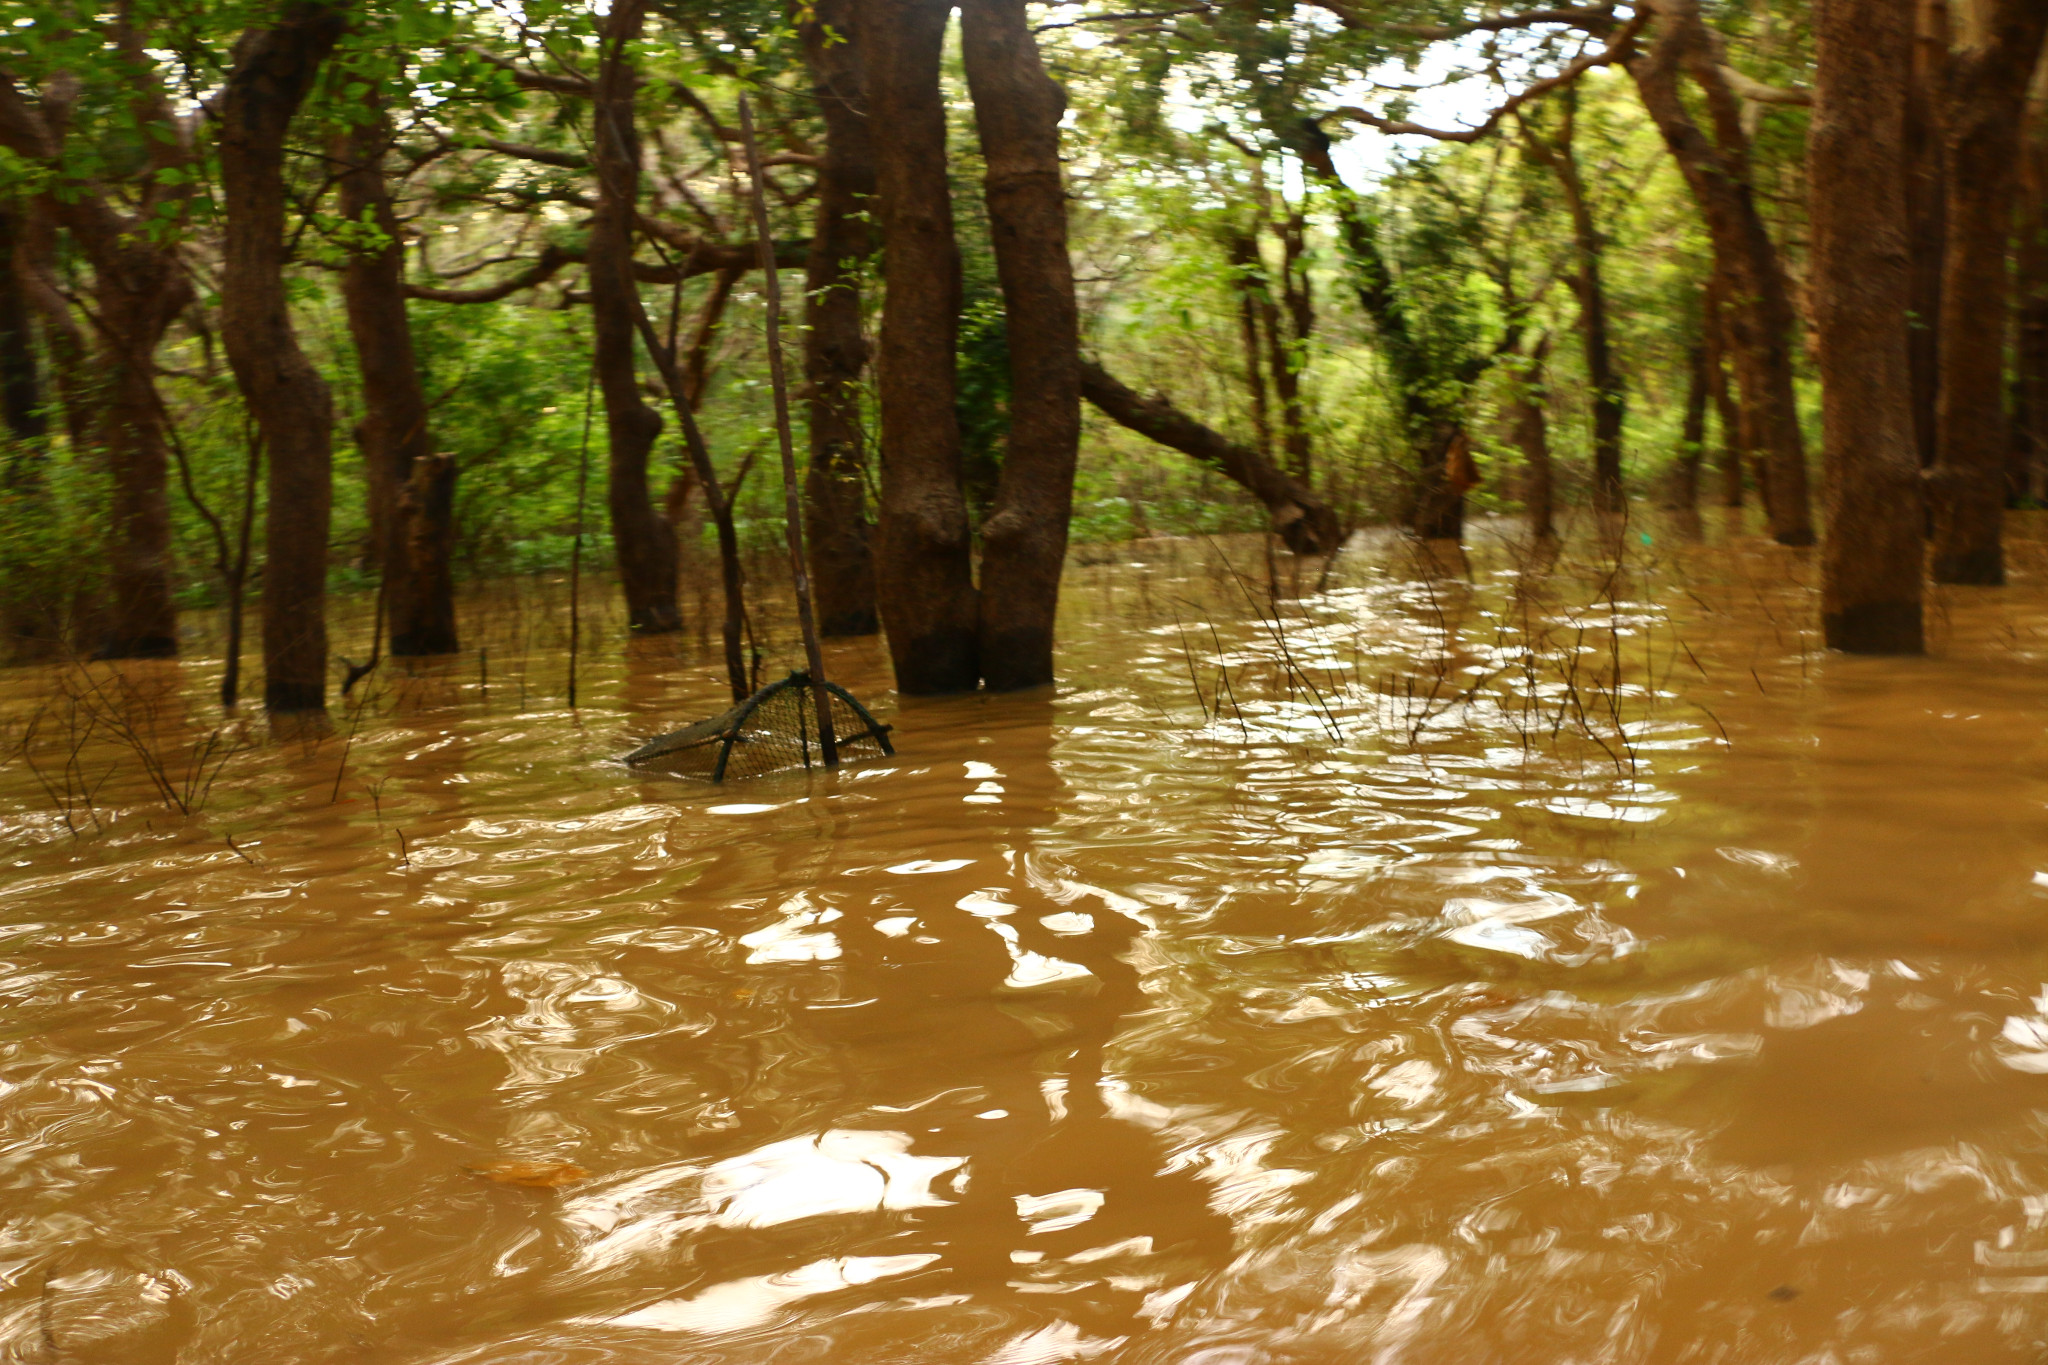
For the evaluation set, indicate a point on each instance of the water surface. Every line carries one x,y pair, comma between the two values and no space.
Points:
1380,985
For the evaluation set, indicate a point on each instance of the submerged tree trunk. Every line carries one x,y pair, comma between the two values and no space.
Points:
139,287
1431,396
836,526
642,538
1017,111
1692,438
1609,402
1862,285
1292,321
923,565
413,491
1304,522
2030,307
1729,460
21,390
1759,316
273,70
1986,106
1529,410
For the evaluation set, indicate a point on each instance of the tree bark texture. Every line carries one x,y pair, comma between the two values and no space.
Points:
413,492
923,564
1305,523
642,539
1760,318
1017,111
273,70
836,530
1927,194
1986,106
2030,307
1862,288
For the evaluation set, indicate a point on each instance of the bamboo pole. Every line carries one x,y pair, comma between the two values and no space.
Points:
792,505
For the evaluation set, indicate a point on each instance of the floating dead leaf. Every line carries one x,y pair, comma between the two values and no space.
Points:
530,1175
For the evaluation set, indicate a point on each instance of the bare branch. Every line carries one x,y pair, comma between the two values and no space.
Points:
1757,92
546,156
1592,18
1616,49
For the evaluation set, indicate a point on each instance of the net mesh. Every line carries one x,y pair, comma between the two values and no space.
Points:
773,730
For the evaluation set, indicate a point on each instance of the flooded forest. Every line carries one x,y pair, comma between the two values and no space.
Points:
999,682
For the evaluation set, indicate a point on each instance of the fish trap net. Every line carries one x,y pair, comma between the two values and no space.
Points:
773,730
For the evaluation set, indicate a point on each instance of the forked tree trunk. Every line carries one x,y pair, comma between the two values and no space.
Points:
139,287
273,70
2030,306
1862,284
923,565
1760,318
1986,106
642,538
1017,110
836,529
413,493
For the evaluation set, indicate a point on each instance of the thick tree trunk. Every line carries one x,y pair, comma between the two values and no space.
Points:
135,312
1759,333
1862,285
641,537
2030,306
1017,111
923,564
1305,523
1926,207
1986,106
412,492
273,70
1529,409
836,529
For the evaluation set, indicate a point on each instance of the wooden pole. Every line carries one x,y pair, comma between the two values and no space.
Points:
792,507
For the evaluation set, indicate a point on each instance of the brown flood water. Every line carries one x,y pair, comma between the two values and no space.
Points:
1346,1026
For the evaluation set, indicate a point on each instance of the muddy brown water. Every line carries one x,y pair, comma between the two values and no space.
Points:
1356,1023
